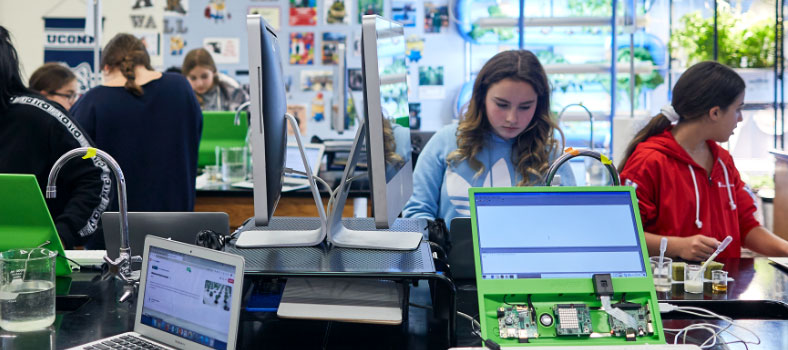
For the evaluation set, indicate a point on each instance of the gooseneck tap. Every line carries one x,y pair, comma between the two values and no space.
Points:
571,153
124,260
238,111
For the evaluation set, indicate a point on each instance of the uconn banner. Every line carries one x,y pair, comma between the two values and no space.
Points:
65,41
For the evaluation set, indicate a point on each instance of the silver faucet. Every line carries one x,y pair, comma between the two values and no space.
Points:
590,120
122,264
238,111
571,153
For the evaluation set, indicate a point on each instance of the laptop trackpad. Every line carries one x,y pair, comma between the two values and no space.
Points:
356,300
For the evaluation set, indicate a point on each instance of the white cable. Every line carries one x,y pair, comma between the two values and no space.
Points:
715,330
617,313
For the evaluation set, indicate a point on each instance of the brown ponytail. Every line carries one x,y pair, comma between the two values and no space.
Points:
656,125
125,52
702,87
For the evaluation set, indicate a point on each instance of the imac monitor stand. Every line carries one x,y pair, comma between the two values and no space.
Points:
387,137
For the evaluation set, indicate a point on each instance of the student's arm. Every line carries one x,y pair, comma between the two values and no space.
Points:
427,181
83,185
694,248
762,241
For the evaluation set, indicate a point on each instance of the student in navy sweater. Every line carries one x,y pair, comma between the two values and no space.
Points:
150,122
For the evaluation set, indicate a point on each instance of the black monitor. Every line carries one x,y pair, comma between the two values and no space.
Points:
267,109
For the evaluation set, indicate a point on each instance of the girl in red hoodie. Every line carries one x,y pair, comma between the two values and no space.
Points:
687,186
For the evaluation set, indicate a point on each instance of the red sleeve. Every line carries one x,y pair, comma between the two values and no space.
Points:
640,173
745,203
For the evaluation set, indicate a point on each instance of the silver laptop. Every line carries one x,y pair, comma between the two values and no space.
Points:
780,262
189,298
314,156
179,226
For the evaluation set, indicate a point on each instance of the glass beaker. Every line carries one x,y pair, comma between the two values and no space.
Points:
27,289
663,278
233,165
719,281
693,279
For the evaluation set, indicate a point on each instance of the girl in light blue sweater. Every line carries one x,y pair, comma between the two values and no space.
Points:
506,138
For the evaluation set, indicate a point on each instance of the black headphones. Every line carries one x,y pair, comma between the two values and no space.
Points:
211,239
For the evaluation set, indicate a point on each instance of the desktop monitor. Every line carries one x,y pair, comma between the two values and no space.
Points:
386,116
385,135
267,109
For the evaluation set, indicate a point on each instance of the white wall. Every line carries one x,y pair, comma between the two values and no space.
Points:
25,20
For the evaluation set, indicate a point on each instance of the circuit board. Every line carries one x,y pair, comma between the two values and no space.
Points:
572,319
517,322
642,315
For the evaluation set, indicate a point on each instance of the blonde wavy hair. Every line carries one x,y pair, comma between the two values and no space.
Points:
532,148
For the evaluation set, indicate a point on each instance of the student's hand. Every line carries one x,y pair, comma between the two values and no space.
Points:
697,247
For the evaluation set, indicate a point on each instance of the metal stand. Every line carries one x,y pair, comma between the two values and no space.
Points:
290,238
341,236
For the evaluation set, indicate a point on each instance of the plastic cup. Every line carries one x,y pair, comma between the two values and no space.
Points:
719,281
27,289
663,278
693,279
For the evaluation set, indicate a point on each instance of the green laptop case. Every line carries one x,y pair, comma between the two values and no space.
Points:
219,130
546,292
24,218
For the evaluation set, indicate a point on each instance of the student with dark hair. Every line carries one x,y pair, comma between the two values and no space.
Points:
150,122
215,91
687,186
506,138
34,134
57,83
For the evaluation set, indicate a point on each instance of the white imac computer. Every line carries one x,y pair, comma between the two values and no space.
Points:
267,110
386,135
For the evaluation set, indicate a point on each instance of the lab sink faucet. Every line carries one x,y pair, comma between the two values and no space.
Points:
122,265
571,153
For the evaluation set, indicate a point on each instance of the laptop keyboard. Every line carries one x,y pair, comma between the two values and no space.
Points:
125,342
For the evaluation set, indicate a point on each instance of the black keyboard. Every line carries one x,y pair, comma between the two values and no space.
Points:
126,342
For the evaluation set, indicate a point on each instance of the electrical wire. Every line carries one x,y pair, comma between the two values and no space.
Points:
715,330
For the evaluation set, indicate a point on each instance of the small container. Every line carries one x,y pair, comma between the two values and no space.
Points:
693,279
663,278
719,281
27,289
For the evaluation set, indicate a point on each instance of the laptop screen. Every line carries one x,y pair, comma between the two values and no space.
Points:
188,296
294,159
557,235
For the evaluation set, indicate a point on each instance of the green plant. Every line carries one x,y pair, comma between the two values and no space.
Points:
642,81
740,44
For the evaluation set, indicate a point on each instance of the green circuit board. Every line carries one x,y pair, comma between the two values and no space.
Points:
572,319
516,322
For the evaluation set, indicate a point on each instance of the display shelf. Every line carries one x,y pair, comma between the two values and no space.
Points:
574,21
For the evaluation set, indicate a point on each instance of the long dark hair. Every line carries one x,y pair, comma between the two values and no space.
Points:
10,80
126,52
702,87
531,149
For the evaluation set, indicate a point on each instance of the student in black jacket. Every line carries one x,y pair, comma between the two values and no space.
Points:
34,133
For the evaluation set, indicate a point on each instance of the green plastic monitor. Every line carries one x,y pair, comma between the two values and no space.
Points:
219,130
25,221
527,256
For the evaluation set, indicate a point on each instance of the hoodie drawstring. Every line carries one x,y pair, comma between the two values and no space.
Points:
697,198
727,185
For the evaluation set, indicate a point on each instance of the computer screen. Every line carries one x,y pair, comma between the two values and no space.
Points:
295,162
189,297
557,235
267,109
384,66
